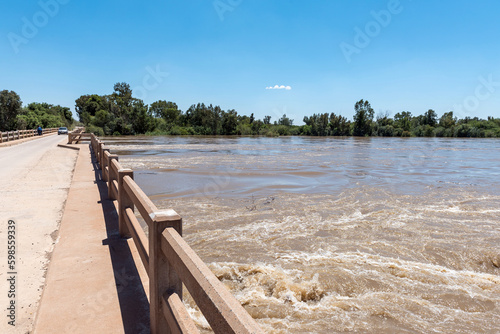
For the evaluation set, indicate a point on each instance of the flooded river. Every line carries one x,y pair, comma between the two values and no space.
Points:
336,235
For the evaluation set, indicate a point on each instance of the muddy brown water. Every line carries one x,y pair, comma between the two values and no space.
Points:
335,235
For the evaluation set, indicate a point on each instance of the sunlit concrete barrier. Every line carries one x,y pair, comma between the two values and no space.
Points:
169,261
21,134
77,136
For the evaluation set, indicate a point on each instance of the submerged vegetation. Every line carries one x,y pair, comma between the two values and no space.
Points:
120,113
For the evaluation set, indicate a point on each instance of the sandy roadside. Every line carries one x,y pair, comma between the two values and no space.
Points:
35,200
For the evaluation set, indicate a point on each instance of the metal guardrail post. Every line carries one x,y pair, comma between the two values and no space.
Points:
162,276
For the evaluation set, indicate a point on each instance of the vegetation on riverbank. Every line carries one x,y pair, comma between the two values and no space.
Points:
13,116
120,113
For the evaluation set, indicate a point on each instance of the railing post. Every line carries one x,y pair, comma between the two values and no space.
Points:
92,142
95,147
105,164
70,138
98,153
162,277
124,201
112,177
101,157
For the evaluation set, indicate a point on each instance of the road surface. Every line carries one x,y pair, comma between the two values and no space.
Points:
17,158
34,180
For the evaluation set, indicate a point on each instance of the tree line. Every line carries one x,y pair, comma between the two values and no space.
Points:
119,113
13,116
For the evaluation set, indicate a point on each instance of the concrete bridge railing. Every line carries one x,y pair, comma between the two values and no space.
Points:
21,134
78,135
169,261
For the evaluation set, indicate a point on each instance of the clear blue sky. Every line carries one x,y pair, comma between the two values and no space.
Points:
399,55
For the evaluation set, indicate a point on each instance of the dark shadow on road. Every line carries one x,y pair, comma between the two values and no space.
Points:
134,304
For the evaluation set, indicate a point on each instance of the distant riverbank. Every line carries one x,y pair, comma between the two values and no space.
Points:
122,114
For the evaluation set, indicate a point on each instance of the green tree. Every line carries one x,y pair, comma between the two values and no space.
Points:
229,122
28,119
44,114
430,118
10,107
447,120
323,121
166,110
143,121
123,92
402,120
88,105
101,118
363,118
339,126
257,126
285,121
206,120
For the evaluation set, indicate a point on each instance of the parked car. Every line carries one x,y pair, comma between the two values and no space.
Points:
62,131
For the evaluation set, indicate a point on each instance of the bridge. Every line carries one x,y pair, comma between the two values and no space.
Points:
107,275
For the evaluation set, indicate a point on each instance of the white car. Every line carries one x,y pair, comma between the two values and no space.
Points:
62,131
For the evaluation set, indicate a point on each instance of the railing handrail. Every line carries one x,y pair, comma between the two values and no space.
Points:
77,136
168,259
214,300
7,136
140,199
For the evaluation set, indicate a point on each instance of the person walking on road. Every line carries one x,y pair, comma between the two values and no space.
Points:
39,130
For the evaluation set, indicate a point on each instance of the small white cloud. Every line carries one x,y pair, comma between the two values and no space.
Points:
279,87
